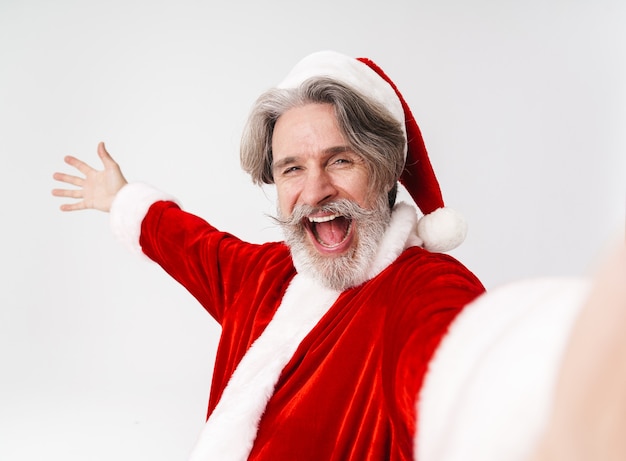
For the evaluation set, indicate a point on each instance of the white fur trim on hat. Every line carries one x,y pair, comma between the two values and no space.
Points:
350,71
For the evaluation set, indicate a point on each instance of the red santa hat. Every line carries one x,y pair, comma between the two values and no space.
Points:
441,228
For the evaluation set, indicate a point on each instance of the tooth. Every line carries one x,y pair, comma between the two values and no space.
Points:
323,218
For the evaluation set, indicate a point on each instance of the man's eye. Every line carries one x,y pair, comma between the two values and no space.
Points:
291,169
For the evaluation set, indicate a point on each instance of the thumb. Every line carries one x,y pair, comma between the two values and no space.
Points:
106,158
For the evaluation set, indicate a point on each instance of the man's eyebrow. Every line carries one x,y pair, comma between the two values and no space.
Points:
338,150
283,162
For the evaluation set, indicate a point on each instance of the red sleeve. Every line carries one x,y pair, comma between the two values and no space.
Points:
210,264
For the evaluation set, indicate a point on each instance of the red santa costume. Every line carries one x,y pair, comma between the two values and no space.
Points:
394,368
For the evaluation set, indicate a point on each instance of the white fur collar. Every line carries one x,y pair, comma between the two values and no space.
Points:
231,429
400,235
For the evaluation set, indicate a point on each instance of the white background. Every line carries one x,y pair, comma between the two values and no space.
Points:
102,356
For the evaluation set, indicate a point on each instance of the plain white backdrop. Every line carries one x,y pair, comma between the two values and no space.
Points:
102,356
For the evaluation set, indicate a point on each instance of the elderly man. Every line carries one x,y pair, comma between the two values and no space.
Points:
328,337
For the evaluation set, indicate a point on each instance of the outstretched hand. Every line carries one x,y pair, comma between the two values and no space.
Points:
96,189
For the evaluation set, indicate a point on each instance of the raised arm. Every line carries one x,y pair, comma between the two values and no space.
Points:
97,189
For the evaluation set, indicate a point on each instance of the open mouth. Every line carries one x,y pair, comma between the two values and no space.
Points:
330,231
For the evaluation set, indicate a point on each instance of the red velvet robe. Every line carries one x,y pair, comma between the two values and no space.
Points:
349,392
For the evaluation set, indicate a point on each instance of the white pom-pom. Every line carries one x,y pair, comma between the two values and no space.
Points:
442,230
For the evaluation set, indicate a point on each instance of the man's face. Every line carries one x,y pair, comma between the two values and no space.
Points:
323,189
314,165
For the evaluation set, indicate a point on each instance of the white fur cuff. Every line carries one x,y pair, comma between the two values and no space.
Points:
488,391
128,210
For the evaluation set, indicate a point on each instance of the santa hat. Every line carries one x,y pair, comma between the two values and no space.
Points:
441,228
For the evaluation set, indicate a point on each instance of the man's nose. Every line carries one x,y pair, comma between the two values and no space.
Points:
318,188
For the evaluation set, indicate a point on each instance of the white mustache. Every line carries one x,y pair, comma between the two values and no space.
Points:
343,207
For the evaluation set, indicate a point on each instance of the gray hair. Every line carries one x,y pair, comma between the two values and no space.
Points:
369,128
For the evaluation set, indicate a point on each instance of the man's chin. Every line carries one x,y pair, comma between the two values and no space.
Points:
337,271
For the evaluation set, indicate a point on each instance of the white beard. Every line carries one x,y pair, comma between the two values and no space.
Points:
351,268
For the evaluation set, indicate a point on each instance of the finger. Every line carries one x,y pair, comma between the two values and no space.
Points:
79,165
104,155
70,193
73,206
68,178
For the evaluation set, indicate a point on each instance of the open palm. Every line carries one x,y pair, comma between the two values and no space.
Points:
96,189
